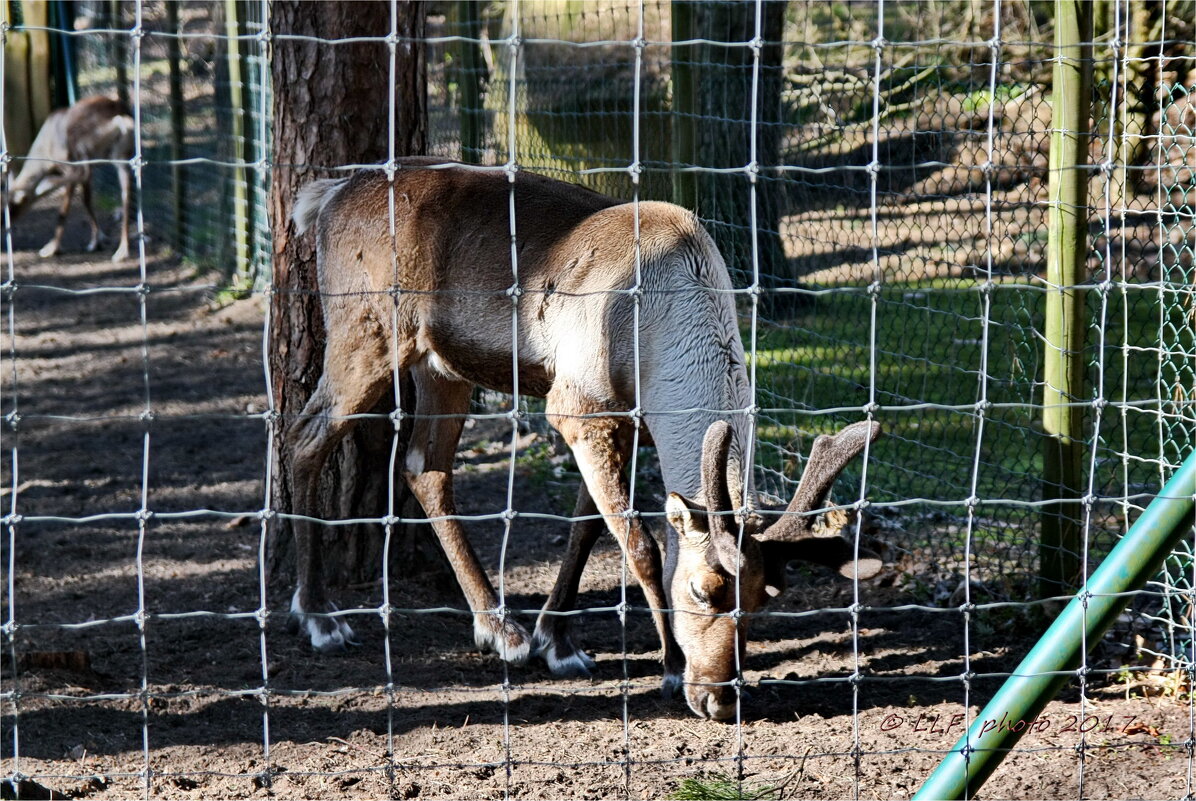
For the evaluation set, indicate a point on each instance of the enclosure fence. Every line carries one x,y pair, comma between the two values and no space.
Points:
879,178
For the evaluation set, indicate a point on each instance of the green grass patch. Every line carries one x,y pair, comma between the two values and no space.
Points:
718,787
927,353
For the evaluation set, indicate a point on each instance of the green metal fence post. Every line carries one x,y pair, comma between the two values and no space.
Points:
1063,365
1055,657
469,80
240,181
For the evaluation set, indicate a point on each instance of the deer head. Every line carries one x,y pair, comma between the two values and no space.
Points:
729,564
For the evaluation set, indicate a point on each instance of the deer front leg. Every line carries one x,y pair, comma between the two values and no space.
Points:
441,406
51,247
125,175
551,640
96,235
599,445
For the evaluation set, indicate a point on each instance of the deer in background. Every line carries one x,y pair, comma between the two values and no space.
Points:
436,302
95,128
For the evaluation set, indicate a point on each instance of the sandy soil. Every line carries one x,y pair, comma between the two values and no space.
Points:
96,707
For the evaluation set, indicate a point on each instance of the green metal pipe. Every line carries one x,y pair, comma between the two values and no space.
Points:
1056,656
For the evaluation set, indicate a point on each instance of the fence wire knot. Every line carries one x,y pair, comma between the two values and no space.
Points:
13,519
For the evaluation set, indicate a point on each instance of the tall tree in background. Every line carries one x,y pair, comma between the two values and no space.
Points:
724,81
331,106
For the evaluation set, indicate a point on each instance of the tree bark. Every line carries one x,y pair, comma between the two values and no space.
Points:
725,76
331,109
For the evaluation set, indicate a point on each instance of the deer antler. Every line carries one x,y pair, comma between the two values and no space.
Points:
717,490
795,529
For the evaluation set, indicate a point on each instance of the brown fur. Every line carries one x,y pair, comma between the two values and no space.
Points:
95,128
440,298
451,317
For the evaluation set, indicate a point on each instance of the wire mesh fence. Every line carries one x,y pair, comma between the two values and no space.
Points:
877,177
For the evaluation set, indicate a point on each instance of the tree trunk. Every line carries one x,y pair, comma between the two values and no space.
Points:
725,76
330,109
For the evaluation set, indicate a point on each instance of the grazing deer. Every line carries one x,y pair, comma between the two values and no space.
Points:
441,302
95,128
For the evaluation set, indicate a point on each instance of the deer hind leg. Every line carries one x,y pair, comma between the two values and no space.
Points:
552,641
353,381
429,472
125,175
601,446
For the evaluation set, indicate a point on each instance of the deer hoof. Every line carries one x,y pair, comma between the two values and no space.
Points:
49,249
121,253
670,685
328,635
506,638
564,659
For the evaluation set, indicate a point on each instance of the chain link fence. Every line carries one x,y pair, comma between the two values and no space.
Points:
900,231
201,88
876,175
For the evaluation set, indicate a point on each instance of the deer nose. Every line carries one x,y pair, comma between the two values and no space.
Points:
720,705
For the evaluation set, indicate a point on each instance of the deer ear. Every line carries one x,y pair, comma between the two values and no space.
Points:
687,518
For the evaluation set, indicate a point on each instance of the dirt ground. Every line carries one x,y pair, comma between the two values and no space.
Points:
92,705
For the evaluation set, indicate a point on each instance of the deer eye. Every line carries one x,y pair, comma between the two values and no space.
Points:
700,596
